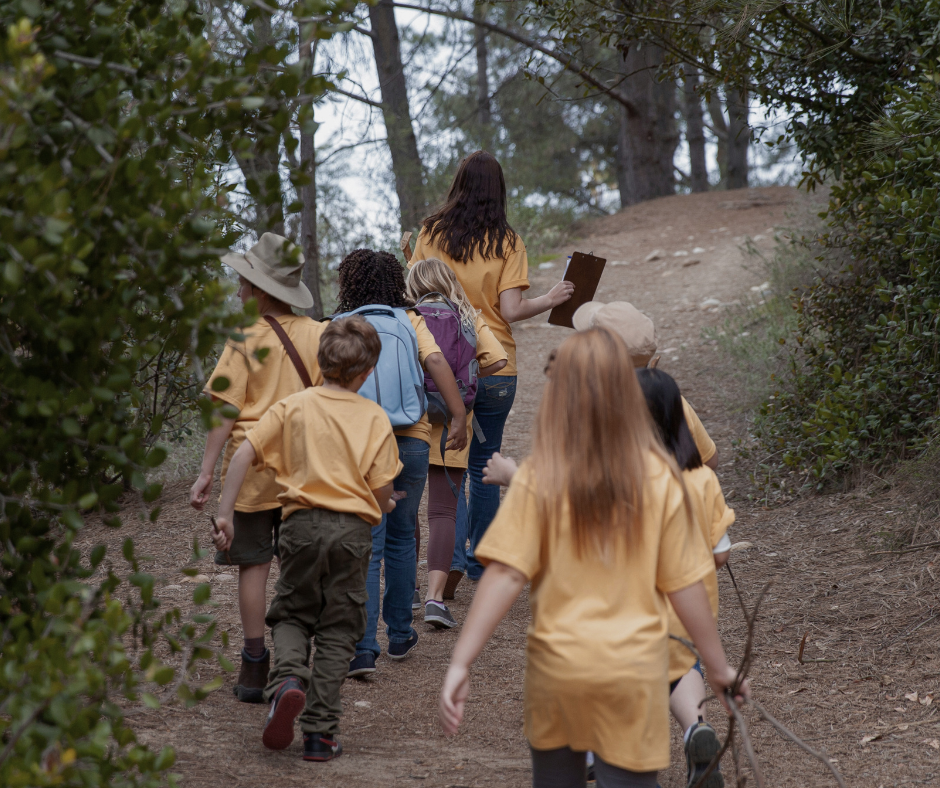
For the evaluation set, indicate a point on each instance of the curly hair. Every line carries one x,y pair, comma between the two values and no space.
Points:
370,277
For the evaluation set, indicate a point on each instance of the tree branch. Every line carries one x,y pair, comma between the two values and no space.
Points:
568,62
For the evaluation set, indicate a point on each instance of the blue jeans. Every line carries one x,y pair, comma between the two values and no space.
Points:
491,409
394,540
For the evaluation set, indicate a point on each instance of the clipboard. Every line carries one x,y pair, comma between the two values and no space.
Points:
584,271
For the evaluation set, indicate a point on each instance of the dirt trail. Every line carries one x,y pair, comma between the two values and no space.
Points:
870,620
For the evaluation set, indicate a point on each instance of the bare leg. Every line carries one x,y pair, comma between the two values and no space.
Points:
685,699
252,588
436,581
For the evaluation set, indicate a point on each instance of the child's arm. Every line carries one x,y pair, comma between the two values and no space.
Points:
721,558
499,470
694,610
492,369
499,587
384,497
443,377
215,442
513,307
237,470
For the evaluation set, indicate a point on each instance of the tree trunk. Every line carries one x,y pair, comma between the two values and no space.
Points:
739,139
260,162
406,163
648,137
308,225
720,128
695,131
484,109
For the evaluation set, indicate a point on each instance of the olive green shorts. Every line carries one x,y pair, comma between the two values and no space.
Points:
255,540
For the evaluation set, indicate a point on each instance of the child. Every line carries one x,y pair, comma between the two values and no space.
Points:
334,457
598,522
368,277
712,516
269,274
431,279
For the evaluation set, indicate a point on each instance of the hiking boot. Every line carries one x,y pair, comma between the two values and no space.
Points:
438,615
253,677
453,580
361,665
402,650
416,600
288,702
321,747
701,746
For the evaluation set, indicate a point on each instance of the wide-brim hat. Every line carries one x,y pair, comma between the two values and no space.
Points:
624,319
276,266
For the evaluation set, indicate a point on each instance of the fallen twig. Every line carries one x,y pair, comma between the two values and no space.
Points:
912,549
746,739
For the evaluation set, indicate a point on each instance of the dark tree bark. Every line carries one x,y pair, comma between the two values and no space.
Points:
648,134
695,131
739,139
260,162
308,225
484,110
406,163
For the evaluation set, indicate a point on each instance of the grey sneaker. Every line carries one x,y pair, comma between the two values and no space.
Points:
702,746
438,615
416,600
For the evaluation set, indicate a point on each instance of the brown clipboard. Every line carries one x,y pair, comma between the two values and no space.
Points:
584,271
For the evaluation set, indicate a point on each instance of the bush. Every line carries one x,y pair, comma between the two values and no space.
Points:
113,122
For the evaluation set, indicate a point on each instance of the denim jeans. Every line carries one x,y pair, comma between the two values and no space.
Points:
394,540
494,400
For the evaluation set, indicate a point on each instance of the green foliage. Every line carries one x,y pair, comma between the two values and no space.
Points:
113,123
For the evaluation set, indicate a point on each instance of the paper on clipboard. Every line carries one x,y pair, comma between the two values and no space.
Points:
584,272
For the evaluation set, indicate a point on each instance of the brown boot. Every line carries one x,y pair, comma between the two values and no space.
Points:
253,677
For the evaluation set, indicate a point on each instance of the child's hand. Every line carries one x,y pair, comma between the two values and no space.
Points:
453,698
560,293
722,679
457,437
223,533
200,492
499,470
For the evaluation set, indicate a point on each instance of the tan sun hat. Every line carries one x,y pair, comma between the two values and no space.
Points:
621,317
272,265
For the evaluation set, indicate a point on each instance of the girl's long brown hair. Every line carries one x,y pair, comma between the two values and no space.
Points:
593,435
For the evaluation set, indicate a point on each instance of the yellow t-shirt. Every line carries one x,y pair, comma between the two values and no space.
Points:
426,346
704,442
483,281
489,351
597,647
713,517
329,450
254,386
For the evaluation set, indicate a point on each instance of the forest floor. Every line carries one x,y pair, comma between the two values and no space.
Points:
864,691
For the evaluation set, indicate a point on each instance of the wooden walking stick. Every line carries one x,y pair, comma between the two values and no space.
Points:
215,530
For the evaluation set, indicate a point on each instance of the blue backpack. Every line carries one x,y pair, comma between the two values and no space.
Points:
397,382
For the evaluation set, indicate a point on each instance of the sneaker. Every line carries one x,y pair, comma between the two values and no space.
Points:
453,580
416,600
701,746
288,702
438,615
402,650
253,677
321,746
361,665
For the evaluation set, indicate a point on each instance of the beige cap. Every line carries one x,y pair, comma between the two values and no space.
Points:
271,265
635,328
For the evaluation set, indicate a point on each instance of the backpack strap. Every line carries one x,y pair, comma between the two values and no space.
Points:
292,353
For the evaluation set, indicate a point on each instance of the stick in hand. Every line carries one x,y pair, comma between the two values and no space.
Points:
215,530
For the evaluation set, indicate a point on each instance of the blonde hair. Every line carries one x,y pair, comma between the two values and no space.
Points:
593,434
434,276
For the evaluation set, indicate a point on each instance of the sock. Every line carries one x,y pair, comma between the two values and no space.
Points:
254,647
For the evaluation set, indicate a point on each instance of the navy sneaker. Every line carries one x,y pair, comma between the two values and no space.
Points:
288,702
700,748
321,747
402,650
361,665
416,600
